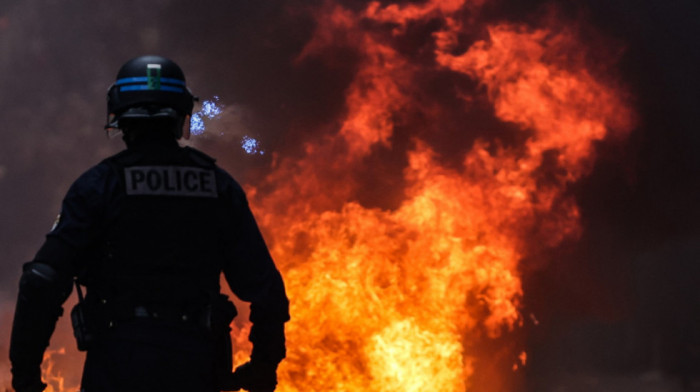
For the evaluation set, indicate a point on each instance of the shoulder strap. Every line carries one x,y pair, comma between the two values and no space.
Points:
81,298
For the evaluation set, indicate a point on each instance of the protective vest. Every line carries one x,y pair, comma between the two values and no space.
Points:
160,251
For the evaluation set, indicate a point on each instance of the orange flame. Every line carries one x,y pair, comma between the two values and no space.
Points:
396,299
55,382
393,299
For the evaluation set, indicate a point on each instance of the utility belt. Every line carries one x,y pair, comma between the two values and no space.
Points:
201,317
90,320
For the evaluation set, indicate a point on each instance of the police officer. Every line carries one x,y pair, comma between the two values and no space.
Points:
148,232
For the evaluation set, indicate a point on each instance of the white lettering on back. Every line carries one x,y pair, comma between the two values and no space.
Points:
170,181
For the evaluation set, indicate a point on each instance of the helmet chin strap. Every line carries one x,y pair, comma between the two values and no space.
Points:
113,133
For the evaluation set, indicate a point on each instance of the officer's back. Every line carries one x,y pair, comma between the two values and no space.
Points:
156,266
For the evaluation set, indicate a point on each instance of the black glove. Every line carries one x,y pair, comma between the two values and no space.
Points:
27,381
255,377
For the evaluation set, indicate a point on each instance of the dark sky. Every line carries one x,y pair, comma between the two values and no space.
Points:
635,272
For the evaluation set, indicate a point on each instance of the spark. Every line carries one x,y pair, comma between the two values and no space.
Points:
211,110
251,145
196,124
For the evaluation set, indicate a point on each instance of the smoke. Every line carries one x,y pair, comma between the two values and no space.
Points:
638,204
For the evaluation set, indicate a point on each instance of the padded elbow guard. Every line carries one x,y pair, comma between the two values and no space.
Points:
44,287
42,291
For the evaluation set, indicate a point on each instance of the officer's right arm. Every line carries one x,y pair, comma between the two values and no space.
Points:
42,291
46,282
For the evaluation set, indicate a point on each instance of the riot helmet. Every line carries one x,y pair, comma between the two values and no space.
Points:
149,87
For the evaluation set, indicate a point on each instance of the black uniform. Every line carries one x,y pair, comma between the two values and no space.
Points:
148,232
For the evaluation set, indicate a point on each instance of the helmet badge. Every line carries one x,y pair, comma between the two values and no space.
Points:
153,75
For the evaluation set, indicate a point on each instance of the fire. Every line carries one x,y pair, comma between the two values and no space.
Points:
395,299
55,382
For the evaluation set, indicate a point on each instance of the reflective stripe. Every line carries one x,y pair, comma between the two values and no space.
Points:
137,79
131,80
139,87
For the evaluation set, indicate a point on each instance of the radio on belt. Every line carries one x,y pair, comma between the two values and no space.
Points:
170,181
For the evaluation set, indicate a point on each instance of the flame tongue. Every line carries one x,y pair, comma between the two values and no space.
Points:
392,300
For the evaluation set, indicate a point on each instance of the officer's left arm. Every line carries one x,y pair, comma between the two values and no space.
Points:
253,277
46,282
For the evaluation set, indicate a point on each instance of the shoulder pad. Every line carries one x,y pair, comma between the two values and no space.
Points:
199,157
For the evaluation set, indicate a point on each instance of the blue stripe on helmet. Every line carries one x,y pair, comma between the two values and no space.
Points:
172,88
173,81
141,79
142,87
134,87
131,80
